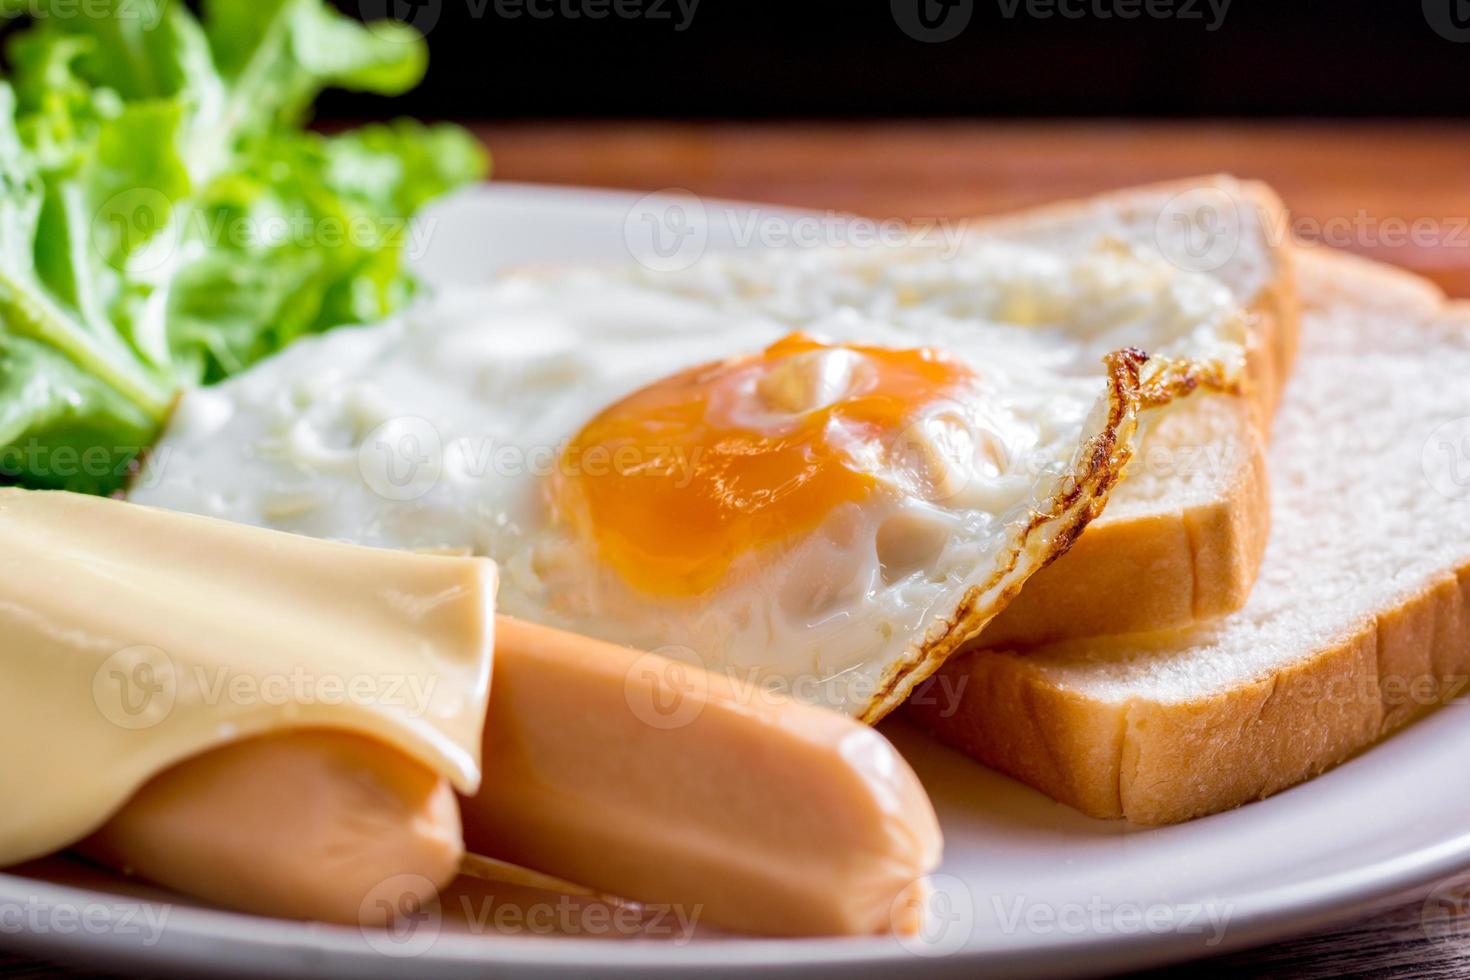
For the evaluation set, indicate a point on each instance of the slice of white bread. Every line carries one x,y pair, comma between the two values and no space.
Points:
1182,536
1360,620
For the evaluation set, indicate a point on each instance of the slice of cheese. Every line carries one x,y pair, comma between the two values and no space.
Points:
133,638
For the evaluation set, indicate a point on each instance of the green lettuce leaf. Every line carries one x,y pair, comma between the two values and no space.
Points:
165,220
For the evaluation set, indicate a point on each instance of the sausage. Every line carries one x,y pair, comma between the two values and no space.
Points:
621,771
307,824
644,778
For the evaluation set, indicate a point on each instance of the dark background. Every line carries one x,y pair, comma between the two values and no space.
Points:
756,59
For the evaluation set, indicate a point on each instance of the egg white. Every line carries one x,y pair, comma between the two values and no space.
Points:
439,429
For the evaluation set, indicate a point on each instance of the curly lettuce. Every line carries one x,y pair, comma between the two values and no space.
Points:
166,220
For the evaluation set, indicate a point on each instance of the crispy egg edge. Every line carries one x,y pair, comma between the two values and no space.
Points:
1082,498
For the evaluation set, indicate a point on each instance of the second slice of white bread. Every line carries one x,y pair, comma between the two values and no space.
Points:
1359,622
1182,536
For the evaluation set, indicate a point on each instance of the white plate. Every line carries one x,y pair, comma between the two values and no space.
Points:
1028,886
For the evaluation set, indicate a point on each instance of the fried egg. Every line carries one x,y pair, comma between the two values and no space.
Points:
820,471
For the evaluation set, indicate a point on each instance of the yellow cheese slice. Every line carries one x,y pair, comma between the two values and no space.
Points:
132,638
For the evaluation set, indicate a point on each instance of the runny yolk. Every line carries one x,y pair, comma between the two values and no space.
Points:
674,482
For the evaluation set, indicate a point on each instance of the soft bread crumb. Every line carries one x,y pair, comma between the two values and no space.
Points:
1183,535
1357,625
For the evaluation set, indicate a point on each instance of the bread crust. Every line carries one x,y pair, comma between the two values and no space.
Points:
1162,564
1156,762
1152,568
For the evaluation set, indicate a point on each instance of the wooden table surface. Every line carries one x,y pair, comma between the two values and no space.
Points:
1396,192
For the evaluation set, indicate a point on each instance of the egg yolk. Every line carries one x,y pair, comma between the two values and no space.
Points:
674,482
